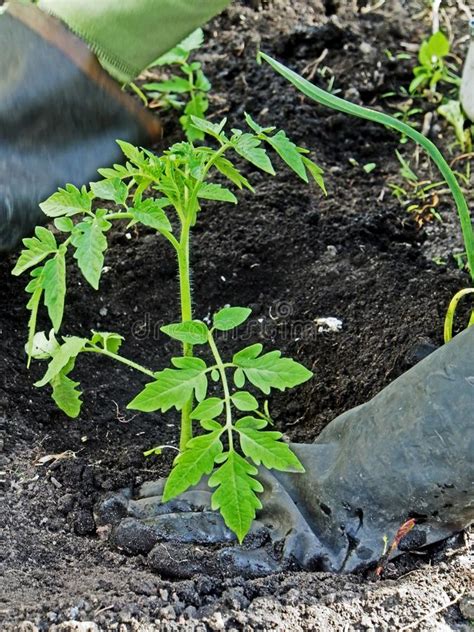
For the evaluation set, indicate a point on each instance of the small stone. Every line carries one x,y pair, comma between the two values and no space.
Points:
66,503
365,48
164,594
466,605
216,622
168,612
83,523
74,613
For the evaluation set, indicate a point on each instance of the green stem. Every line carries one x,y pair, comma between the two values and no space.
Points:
186,314
119,358
225,385
187,216
341,105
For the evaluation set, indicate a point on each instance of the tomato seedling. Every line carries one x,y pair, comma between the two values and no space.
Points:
207,389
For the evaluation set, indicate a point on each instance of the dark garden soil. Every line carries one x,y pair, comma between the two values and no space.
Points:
293,256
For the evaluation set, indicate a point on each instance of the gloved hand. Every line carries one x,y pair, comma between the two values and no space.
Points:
60,112
407,453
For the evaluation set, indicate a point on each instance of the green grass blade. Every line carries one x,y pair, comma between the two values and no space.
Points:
336,103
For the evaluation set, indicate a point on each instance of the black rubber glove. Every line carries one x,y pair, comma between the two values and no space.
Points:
60,115
407,453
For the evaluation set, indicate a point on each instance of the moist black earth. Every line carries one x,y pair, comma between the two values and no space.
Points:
293,256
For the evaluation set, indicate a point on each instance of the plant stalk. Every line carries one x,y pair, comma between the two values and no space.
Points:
119,358
225,386
186,315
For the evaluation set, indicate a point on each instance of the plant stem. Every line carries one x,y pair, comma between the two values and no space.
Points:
186,314
119,358
187,217
225,385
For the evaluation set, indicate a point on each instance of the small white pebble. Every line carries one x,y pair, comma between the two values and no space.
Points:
329,324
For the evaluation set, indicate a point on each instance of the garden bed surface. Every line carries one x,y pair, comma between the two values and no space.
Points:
291,255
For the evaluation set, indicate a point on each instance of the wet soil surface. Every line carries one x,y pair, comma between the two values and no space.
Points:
292,255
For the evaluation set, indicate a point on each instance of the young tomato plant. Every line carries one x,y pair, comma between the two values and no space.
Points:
186,91
233,441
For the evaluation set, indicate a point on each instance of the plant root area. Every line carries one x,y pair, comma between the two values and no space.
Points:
293,256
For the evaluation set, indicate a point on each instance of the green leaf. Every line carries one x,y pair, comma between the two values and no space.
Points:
210,424
209,191
172,387
189,363
36,249
180,53
202,82
112,189
419,81
65,393
54,285
193,332
194,463
134,154
438,45
288,152
212,129
215,375
68,201
243,400
64,224
35,288
236,493
369,167
254,423
208,409
150,213
248,353
316,172
178,85
107,340
256,127
247,146
230,317
196,106
70,348
90,242
452,112
117,171
272,371
424,54
193,41
239,378
232,173
265,447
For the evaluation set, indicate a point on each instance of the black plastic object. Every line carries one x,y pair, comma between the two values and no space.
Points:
60,116
407,453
